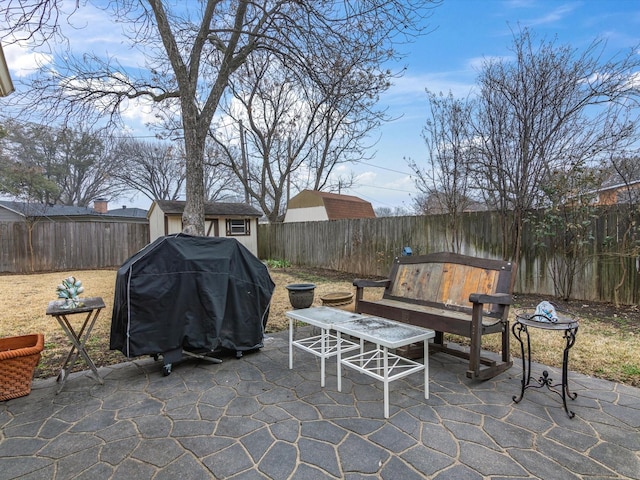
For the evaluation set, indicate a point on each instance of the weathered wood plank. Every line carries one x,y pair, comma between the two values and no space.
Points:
366,247
56,246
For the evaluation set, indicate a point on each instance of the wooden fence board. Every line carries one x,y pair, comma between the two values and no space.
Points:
363,247
60,246
367,247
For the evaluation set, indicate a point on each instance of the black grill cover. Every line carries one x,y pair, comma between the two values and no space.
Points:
191,293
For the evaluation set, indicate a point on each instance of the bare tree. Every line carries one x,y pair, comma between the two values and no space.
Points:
33,20
444,182
285,133
155,169
220,183
194,49
548,107
391,212
78,163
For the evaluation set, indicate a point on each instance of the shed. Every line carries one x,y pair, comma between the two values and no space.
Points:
237,220
315,206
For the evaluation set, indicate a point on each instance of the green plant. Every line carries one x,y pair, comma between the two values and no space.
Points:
275,263
631,370
565,229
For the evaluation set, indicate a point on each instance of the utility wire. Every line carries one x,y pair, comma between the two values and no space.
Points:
385,168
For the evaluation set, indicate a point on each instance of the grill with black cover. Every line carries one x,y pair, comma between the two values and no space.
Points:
190,294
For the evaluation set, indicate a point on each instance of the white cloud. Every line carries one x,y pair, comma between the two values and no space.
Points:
411,90
23,61
385,189
140,111
477,63
556,15
90,29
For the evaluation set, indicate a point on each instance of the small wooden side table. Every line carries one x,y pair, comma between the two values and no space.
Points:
92,307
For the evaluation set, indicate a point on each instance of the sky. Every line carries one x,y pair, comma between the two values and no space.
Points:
462,33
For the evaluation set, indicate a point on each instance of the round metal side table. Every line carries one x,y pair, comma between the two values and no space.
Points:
566,323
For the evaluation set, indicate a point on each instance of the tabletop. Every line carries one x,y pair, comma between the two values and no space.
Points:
385,332
528,317
323,317
89,304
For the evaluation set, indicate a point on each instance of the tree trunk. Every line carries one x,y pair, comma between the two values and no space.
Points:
193,215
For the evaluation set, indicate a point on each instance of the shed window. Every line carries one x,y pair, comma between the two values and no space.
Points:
236,228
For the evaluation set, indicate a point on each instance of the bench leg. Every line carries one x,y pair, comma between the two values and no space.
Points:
476,339
506,350
475,349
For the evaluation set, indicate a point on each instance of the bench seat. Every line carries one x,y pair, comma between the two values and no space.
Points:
448,293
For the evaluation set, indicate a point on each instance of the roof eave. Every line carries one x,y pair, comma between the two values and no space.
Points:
6,84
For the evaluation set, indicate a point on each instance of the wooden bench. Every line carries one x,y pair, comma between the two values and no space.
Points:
448,293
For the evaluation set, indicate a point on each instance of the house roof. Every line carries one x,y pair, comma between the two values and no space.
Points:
211,209
27,209
336,205
128,212
618,186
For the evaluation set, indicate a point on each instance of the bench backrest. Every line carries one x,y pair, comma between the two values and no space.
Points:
447,279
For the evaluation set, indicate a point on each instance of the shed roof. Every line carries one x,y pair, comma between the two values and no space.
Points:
211,209
336,205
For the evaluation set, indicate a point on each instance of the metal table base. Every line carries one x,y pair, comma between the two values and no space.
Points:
379,363
566,323
325,344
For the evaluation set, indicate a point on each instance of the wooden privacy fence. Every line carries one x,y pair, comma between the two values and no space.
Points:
363,247
366,247
60,246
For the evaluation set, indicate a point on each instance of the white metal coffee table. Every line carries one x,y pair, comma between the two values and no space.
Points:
379,363
325,344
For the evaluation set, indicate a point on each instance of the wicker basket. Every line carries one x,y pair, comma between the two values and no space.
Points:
18,359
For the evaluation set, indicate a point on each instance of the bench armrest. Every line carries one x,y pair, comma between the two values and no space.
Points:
363,282
496,298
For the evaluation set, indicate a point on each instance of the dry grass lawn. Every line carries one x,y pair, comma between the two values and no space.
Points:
608,341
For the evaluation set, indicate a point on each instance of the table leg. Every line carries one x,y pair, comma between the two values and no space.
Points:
323,353
570,340
385,365
426,369
338,360
68,329
83,342
72,335
78,348
518,329
290,343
